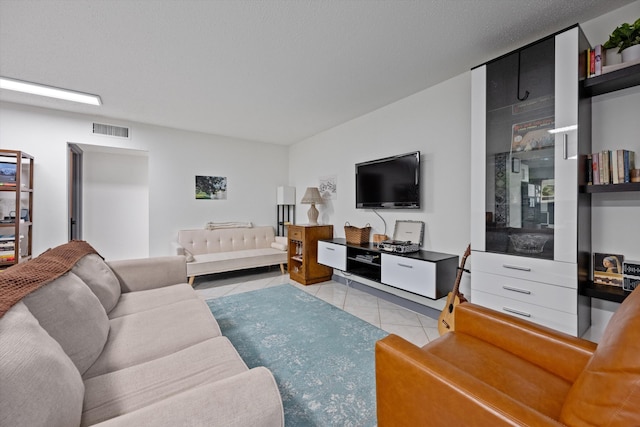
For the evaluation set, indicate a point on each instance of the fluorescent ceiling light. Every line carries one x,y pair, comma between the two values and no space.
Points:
52,92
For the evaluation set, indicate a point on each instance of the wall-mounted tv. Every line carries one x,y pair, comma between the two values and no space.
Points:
389,183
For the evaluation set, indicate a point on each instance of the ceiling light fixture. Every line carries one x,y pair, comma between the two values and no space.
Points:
52,92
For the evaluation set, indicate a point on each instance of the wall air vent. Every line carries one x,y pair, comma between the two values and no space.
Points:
110,130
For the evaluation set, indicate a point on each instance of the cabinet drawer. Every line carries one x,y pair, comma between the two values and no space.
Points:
558,320
542,294
411,275
296,233
332,255
541,270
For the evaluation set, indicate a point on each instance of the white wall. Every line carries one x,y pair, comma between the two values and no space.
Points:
254,171
436,122
116,202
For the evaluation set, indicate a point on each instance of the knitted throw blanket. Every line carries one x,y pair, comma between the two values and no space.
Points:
20,280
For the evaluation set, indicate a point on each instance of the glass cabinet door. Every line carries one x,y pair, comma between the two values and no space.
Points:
520,152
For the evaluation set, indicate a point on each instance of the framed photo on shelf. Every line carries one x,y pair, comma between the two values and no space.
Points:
607,269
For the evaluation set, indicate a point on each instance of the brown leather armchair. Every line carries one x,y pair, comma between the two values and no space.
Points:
496,370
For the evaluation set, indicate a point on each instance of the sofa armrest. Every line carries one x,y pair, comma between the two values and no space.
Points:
282,240
414,388
149,273
247,399
559,353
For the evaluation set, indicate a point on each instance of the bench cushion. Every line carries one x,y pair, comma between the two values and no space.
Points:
236,260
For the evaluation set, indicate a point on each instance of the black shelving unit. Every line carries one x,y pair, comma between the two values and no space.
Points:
611,188
612,81
609,293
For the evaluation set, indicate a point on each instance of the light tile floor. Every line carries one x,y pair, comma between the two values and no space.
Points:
414,327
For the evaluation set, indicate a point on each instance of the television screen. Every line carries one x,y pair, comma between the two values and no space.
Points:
389,183
7,172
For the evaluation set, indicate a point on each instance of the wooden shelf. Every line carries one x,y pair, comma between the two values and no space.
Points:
605,292
613,81
611,188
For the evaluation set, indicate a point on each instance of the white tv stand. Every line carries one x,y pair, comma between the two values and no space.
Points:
424,273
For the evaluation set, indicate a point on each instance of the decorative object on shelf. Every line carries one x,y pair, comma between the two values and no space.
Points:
631,274
311,197
211,187
625,37
607,269
634,175
529,243
357,235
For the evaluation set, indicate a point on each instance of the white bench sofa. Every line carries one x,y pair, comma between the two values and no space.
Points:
229,249
126,343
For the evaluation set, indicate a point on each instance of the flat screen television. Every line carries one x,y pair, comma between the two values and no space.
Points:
389,183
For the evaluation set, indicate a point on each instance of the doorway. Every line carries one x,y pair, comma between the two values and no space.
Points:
109,200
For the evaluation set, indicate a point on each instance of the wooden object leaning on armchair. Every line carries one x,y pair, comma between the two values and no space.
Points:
496,370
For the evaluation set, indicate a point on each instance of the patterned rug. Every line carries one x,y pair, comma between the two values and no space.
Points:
322,357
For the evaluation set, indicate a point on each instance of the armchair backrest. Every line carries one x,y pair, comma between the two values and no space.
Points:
607,392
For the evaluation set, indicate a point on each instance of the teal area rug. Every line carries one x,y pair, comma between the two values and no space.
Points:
322,357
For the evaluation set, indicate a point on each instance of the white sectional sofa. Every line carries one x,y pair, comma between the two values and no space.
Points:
228,249
124,343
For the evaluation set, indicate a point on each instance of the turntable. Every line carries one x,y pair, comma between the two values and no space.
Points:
407,238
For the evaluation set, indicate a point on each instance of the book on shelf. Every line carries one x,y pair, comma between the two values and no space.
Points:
595,61
610,167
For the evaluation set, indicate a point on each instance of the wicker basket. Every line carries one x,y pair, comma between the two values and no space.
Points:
357,235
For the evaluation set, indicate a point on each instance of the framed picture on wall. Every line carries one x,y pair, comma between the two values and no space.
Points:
211,187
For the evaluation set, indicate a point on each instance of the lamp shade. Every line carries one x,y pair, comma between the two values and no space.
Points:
312,196
286,196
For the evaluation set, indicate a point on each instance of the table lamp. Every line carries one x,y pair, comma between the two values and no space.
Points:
311,197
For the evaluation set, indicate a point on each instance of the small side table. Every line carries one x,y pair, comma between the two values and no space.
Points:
303,253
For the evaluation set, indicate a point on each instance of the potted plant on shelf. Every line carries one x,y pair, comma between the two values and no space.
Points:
625,38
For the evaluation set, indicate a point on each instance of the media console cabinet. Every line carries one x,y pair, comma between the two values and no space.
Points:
424,273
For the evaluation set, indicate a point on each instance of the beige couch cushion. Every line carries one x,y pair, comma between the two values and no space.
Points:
68,310
135,302
39,384
247,399
132,388
98,276
237,260
147,335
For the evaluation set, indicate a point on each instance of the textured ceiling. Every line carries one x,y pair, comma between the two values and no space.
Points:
274,70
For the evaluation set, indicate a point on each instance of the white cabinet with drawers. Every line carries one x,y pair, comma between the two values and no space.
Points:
530,224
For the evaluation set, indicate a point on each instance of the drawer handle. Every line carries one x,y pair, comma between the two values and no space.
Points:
518,312
330,249
405,265
521,291
516,267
